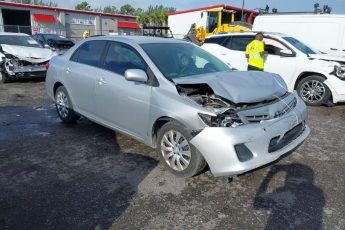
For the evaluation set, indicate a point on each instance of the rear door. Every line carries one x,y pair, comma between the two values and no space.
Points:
82,73
123,104
237,46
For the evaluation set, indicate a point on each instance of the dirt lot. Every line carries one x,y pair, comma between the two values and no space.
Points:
84,176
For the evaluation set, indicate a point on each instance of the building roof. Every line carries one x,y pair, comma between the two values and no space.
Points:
227,7
63,9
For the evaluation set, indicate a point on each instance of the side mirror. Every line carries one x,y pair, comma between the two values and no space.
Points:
136,75
287,53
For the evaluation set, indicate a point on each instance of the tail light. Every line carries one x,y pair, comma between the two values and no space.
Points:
47,66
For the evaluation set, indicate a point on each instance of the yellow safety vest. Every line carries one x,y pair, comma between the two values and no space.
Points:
253,50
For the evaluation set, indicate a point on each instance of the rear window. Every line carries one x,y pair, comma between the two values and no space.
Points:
216,40
239,43
89,53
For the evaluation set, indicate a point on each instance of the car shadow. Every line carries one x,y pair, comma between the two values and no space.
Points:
56,176
293,202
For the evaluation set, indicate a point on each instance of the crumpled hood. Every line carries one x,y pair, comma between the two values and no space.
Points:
328,57
240,86
30,54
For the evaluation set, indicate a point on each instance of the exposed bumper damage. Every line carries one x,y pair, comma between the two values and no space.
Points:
245,129
232,151
21,62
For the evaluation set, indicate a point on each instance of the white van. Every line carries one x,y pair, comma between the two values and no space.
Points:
325,32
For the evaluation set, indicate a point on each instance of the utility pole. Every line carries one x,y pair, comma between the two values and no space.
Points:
242,9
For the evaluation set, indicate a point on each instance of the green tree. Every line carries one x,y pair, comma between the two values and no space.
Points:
110,10
154,15
127,9
83,6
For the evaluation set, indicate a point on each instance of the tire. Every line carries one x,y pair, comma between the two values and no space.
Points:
313,91
63,106
4,78
176,153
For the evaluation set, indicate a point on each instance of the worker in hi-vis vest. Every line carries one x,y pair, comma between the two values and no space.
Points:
255,52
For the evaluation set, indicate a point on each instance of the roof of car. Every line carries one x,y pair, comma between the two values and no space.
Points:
16,34
137,39
248,33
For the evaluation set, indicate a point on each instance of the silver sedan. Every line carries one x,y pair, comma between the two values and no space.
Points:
175,97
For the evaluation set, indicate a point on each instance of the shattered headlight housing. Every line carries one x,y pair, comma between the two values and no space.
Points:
339,71
221,120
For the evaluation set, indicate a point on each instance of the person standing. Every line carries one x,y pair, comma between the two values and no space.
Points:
255,52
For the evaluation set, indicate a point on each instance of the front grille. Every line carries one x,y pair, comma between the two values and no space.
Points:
279,142
257,118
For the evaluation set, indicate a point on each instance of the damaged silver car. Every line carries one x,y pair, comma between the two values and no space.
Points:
181,100
22,57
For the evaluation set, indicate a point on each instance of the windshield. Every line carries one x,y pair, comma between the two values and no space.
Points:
177,60
300,46
18,40
54,37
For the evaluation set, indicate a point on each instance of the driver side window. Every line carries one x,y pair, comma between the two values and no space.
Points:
121,57
273,47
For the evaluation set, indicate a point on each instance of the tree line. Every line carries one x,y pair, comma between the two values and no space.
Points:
153,15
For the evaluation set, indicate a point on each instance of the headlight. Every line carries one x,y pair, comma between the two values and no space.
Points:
221,120
339,71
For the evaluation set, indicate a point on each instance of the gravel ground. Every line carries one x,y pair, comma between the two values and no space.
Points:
84,176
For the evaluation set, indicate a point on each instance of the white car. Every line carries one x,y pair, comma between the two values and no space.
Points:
318,78
324,32
22,57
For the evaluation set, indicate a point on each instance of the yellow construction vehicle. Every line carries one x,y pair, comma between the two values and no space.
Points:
219,21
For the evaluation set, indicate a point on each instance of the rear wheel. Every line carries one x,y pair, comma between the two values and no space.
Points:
64,106
176,153
4,78
313,90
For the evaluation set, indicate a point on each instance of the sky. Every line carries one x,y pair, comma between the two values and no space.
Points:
338,6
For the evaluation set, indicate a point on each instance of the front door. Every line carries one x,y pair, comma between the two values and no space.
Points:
274,63
123,104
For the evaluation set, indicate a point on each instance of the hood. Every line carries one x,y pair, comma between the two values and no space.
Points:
240,87
328,57
30,54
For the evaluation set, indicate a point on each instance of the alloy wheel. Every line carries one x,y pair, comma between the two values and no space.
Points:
62,104
176,150
313,91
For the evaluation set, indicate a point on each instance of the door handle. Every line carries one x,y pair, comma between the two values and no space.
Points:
223,54
68,70
334,49
101,81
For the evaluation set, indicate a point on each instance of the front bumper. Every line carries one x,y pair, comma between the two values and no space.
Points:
29,71
337,88
217,144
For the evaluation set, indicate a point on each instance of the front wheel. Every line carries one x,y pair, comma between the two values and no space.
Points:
63,106
176,153
313,90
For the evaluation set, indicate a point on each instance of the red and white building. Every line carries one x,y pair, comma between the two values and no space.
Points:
31,19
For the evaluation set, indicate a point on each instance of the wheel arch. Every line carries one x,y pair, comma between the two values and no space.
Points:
159,124
56,86
307,74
